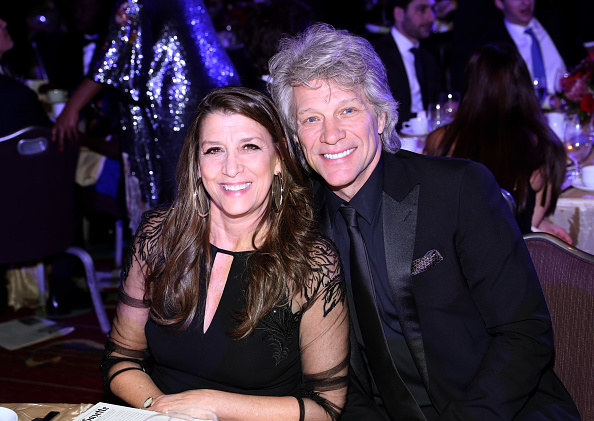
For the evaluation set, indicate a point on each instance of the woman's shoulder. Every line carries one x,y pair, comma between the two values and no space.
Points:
153,219
149,229
327,278
325,249
325,262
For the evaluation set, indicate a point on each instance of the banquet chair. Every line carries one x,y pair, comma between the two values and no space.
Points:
37,218
509,200
567,278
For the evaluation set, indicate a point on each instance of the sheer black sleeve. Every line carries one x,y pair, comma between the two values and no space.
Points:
126,346
324,332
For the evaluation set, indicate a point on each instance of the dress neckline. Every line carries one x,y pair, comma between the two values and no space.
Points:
216,249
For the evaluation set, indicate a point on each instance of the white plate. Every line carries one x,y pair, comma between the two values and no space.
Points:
581,186
8,414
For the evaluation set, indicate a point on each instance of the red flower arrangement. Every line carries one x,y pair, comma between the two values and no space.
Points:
577,89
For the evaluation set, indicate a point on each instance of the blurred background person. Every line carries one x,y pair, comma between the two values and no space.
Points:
413,71
267,22
237,300
19,106
160,59
499,124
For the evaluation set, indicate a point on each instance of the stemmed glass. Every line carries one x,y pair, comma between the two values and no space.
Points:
540,89
577,140
443,112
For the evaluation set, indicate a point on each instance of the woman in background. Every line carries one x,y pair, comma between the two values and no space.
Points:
160,58
238,302
499,124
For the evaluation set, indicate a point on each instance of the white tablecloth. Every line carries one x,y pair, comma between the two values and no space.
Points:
575,214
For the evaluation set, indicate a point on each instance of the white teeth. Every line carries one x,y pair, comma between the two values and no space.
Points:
338,155
236,187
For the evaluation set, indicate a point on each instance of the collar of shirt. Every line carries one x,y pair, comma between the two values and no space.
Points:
366,201
403,43
518,34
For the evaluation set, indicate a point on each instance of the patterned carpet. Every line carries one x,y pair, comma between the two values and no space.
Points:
63,370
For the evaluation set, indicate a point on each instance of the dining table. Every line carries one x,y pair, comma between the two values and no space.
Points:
575,212
37,411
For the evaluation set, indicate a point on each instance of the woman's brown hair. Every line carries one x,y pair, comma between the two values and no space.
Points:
279,267
499,124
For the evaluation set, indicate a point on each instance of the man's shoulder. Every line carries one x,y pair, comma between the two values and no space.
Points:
386,45
418,163
405,169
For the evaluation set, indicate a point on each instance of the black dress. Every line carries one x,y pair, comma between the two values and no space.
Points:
265,363
309,330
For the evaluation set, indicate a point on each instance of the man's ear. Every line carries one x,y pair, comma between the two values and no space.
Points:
499,4
381,123
398,14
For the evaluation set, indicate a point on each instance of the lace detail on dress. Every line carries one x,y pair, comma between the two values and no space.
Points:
327,280
146,236
278,327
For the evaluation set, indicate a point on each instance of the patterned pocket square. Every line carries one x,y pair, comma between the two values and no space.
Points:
430,259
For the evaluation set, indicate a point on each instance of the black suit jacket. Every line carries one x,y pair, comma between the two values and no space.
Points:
388,51
476,323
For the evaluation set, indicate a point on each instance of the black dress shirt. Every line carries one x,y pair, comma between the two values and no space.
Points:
368,202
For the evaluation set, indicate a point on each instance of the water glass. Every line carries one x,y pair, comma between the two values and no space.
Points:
540,90
442,112
577,139
435,116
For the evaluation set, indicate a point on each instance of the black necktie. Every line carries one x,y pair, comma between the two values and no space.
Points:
396,397
419,71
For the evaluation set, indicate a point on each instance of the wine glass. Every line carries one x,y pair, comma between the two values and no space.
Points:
449,105
540,89
435,116
577,140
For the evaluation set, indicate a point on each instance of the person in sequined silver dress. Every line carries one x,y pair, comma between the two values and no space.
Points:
160,58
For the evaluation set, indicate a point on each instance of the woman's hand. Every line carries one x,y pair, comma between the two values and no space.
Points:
549,227
186,401
66,127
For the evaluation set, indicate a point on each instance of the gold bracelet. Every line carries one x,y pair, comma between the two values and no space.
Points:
148,402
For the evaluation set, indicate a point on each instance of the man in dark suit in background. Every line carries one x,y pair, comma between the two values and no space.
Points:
449,321
549,40
413,72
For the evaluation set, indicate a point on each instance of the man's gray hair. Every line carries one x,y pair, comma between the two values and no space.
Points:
322,52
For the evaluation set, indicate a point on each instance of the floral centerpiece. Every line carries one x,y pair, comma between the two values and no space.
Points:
577,90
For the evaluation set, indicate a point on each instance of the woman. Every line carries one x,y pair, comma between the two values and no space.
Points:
499,124
237,301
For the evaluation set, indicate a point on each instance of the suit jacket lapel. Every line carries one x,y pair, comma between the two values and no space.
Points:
400,222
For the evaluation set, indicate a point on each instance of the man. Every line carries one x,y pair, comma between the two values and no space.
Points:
413,72
442,292
548,51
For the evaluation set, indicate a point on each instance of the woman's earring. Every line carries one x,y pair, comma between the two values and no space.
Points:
277,192
201,201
